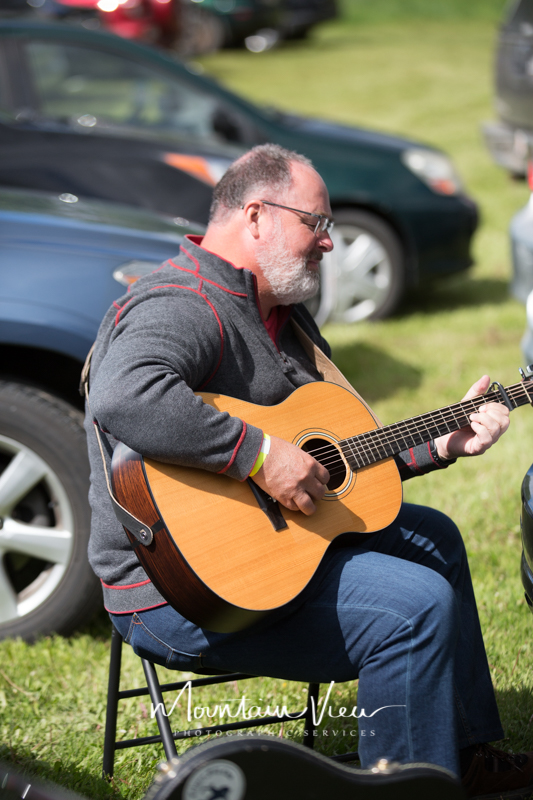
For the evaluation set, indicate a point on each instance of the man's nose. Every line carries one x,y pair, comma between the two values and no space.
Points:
325,242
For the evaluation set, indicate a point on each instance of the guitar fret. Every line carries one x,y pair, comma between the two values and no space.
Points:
444,426
367,442
528,398
381,443
399,436
351,455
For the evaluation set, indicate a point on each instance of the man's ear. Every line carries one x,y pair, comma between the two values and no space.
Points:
253,211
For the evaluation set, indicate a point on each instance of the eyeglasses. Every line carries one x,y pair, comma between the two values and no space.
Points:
323,224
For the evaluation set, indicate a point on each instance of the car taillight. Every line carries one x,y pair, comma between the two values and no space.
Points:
206,169
530,174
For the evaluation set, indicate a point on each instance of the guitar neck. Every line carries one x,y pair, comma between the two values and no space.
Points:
376,445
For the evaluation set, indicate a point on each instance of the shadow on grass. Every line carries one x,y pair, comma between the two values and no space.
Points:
374,373
99,627
452,293
337,36
53,778
516,711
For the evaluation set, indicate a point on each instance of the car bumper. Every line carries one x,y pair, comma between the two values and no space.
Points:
521,287
521,235
509,147
441,237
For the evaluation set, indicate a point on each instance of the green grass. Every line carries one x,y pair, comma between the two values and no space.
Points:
430,79
361,11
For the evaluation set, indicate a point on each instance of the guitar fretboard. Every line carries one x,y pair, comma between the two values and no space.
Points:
376,445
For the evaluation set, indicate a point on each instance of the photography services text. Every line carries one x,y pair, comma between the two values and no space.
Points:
246,711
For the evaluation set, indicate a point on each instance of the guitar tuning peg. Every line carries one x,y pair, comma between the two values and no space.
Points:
527,373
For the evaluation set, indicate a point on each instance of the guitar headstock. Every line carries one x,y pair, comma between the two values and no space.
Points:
527,380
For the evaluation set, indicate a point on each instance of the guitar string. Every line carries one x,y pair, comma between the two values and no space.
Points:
390,436
385,443
517,392
397,432
456,414
418,425
385,435
384,446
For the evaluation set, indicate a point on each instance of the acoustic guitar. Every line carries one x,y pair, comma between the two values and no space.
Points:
223,553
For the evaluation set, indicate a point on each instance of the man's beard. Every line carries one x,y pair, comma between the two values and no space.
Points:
289,278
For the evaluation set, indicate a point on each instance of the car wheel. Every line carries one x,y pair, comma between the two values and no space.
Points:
364,275
46,583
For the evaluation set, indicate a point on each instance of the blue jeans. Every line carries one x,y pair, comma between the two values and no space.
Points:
398,612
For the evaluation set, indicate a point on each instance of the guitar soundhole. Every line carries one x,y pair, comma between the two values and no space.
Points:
329,455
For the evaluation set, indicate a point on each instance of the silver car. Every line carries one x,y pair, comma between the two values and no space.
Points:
521,233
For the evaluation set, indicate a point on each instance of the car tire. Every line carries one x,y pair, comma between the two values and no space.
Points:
46,583
364,275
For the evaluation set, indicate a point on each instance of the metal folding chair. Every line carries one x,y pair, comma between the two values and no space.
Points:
167,737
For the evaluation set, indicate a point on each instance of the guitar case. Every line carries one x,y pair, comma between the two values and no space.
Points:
258,767
267,768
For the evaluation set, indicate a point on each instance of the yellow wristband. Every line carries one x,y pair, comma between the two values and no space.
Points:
265,449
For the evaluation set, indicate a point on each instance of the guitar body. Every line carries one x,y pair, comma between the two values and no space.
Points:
217,558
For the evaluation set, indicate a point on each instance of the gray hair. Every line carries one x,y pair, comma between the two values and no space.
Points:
265,168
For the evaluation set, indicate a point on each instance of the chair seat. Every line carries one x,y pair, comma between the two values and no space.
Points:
166,736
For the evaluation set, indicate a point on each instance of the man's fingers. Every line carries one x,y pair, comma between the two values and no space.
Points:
322,474
319,490
304,497
490,422
479,387
292,476
493,415
485,428
304,503
484,437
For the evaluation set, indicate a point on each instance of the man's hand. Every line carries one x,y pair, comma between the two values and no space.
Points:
486,427
292,477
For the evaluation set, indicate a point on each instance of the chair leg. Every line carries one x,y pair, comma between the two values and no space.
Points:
312,705
154,690
158,703
112,704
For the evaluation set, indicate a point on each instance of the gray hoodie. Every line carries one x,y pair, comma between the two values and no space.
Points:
193,325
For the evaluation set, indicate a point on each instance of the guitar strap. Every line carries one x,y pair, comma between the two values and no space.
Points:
142,532
326,367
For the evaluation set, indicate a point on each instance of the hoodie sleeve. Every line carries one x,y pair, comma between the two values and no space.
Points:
420,460
162,349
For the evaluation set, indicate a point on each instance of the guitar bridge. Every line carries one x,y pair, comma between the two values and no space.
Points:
269,506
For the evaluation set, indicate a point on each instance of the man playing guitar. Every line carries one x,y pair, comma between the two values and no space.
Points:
397,610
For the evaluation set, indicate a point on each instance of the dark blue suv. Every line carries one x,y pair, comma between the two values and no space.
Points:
63,263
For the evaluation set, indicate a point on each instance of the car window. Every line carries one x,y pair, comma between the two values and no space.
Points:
91,89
